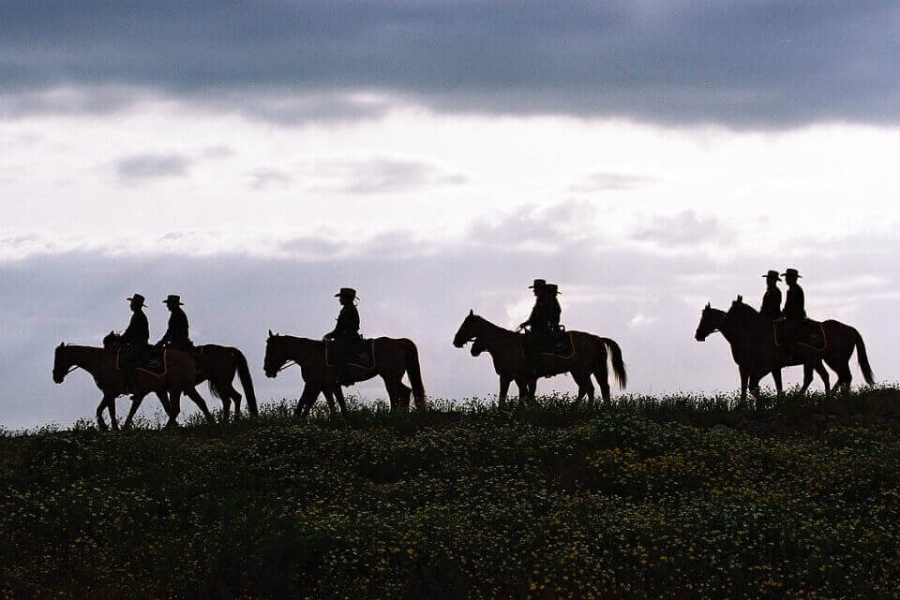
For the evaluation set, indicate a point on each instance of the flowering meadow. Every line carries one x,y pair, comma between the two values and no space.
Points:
676,497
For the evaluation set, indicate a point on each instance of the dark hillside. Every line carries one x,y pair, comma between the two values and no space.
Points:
678,497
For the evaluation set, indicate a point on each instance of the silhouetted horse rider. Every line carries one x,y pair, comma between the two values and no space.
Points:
176,335
794,312
554,311
345,334
539,328
135,340
771,302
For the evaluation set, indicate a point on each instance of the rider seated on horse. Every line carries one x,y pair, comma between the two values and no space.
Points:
794,312
542,323
134,341
176,335
771,302
345,334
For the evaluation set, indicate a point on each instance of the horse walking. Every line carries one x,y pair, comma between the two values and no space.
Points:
218,365
753,348
393,358
179,376
589,358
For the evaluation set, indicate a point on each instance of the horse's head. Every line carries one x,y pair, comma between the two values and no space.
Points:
477,347
112,341
275,355
742,315
710,320
466,331
62,363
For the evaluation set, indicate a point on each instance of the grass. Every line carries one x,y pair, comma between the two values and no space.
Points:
671,497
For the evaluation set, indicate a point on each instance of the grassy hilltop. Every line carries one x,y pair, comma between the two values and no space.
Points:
676,497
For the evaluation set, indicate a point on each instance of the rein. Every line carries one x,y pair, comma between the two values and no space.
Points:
286,365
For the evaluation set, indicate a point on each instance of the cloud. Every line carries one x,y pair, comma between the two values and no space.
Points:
600,181
547,229
264,178
683,229
151,166
736,63
378,175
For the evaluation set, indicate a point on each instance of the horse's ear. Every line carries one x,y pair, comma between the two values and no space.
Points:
471,313
61,344
270,333
740,298
709,305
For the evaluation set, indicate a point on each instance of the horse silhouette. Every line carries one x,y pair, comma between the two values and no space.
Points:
394,358
506,348
218,365
754,349
179,376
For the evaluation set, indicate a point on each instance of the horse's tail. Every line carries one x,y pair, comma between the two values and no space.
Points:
615,355
411,354
246,381
863,358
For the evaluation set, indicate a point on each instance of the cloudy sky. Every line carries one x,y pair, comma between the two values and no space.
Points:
437,156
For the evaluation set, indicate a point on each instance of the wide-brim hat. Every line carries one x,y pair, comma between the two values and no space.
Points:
791,272
346,293
173,299
553,288
538,284
137,299
772,274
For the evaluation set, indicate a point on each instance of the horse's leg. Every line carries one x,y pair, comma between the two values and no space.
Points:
111,408
601,373
236,398
172,405
135,404
192,393
329,399
527,389
823,375
504,390
307,400
745,377
404,394
104,403
339,396
779,388
807,378
585,387
845,377
394,393
753,385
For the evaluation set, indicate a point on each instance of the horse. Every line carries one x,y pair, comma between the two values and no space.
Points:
218,365
841,340
506,349
743,351
393,359
179,376
751,337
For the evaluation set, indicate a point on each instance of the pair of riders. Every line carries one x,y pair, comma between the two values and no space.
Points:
135,340
542,325
345,335
794,312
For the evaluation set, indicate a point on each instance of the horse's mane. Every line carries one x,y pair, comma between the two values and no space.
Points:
294,338
491,324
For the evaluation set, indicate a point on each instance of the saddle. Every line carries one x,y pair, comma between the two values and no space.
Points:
809,333
360,353
153,360
559,343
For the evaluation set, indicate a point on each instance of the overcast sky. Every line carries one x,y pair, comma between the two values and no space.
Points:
438,156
